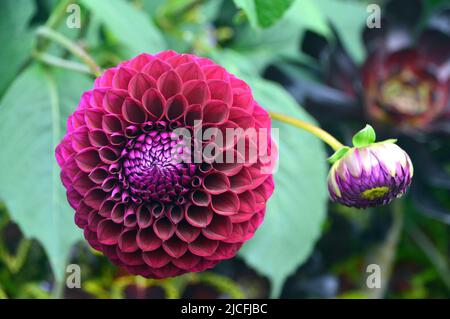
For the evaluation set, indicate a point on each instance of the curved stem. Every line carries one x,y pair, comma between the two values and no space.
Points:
72,47
62,63
315,130
385,254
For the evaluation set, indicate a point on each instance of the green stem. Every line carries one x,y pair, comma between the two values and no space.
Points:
386,252
315,130
61,63
434,255
54,20
72,47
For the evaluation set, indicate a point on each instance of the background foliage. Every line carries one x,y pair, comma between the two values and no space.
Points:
42,79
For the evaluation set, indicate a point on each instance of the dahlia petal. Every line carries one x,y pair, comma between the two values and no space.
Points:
144,216
111,124
118,213
247,202
133,112
106,208
175,247
193,113
117,139
98,138
113,100
244,100
187,232
179,59
140,61
147,240
98,175
169,84
215,112
130,219
187,261
203,246
130,259
94,197
108,232
214,72
241,118
127,241
80,139
140,83
93,220
200,198
199,216
163,228
175,214
156,68
87,159
196,92
221,90
122,77
81,183
109,155
216,183
225,204
225,251
219,228
154,103
106,79
176,107
93,119
189,71
241,181
157,258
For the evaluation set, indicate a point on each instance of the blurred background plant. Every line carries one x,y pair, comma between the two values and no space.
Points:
316,51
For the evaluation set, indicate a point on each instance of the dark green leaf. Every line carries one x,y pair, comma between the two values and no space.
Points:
263,13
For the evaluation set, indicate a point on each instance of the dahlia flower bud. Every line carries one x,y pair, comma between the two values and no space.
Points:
137,193
369,174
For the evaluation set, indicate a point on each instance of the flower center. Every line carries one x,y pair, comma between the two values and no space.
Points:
404,94
374,193
153,168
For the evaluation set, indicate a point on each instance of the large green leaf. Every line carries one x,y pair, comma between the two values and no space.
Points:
296,211
132,27
15,38
32,116
283,38
263,13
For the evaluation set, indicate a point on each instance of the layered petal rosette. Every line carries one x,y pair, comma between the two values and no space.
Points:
138,191
369,174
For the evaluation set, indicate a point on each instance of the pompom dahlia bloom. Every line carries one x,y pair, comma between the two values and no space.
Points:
370,176
137,202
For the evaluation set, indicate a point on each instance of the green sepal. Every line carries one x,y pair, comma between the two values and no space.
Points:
338,154
364,137
390,140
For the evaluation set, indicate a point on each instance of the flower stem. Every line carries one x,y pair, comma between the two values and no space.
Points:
315,130
72,47
62,63
385,254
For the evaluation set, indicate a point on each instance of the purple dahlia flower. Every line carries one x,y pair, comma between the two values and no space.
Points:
371,175
137,202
